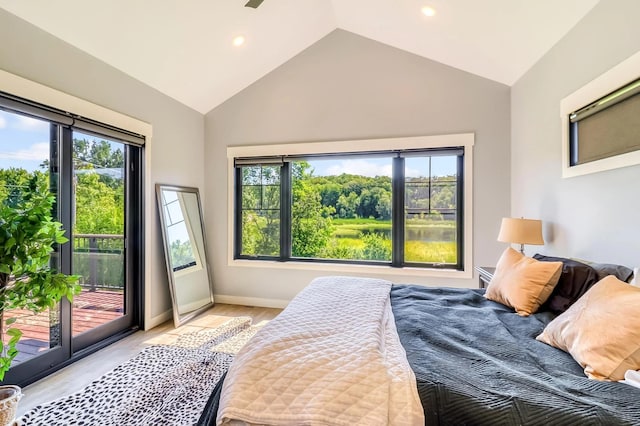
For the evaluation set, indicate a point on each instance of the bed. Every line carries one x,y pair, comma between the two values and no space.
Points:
476,362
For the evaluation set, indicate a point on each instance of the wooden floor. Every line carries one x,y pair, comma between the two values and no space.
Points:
81,373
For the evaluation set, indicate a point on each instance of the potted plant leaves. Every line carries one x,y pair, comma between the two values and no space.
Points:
28,282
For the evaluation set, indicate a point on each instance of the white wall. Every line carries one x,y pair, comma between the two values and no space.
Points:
346,87
593,216
178,131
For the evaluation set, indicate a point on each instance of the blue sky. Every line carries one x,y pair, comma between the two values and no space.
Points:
24,141
376,166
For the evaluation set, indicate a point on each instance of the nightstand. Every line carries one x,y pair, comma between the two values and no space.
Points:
486,273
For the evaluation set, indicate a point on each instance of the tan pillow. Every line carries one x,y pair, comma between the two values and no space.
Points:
521,282
601,330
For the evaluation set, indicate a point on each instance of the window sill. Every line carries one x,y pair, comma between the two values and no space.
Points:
352,268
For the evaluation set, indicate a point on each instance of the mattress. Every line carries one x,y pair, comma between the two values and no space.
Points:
477,363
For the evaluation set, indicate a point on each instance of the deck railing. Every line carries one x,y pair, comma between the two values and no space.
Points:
99,259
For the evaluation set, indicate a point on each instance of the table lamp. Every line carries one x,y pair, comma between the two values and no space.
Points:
521,231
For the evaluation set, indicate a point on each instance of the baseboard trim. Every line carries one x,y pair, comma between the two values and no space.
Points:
226,299
250,301
158,319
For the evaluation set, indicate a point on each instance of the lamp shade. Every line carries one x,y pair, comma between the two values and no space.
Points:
521,231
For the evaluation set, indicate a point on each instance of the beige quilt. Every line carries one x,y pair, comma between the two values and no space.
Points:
332,357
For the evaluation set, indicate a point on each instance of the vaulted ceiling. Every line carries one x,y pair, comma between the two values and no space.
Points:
186,49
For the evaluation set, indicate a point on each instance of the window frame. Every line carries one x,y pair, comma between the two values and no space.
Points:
463,140
608,82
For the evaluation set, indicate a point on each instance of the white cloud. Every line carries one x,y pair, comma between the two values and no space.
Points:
359,167
37,152
30,124
409,172
3,121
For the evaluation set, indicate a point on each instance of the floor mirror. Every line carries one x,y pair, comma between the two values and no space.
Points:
185,251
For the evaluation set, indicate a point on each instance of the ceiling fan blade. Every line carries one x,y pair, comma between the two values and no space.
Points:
253,3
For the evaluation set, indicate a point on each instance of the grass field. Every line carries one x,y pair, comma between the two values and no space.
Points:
348,234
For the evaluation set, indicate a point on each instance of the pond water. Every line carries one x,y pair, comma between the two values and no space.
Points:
414,233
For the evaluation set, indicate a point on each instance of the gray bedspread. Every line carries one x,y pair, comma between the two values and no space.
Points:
478,363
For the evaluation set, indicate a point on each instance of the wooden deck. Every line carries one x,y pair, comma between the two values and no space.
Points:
90,309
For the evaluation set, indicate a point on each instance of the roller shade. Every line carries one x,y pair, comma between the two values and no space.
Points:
610,100
32,109
280,159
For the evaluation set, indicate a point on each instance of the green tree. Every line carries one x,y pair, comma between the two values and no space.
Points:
99,156
99,194
14,183
383,206
347,207
443,195
181,253
311,224
99,209
329,193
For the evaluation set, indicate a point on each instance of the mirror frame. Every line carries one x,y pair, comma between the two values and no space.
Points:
179,319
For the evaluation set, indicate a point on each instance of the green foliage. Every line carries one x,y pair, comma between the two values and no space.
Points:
260,233
342,249
99,207
99,196
311,226
181,253
92,155
261,215
27,236
376,247
16,181
347,206
371,246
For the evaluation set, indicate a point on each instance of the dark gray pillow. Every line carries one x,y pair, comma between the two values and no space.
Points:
575,280
605,269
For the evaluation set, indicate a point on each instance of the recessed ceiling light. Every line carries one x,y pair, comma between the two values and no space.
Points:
238,41
428,11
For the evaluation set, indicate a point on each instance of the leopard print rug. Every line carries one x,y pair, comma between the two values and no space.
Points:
162,385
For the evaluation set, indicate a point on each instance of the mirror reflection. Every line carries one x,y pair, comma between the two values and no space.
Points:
185,251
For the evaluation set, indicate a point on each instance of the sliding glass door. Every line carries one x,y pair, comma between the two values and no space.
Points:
97,185
99,234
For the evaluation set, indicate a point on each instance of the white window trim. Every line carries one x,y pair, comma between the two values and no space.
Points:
27,89
465,140
616,77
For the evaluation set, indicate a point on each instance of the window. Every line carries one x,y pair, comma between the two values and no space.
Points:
607,127
431,209
397,208
599,125
260,210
